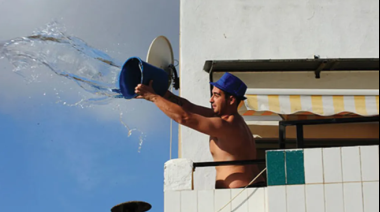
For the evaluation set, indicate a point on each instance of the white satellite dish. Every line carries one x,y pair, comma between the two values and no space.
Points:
160,55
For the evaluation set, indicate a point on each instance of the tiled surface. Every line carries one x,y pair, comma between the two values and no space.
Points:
189,201
334,197
313,166
240,203
315,198
249,200
277,199
266,201
276,168
172,201
286,167
351,164
371,196
295,168
353,197
296,201
257,200
206,201
332,163
370,163
222,197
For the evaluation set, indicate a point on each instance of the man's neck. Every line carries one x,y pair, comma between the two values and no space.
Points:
227,115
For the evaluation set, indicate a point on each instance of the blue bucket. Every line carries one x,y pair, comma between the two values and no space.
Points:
135,71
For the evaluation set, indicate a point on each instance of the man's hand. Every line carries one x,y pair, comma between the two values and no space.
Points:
146,92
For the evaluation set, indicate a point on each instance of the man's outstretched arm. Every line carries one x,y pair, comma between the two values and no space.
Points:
187,105
211,126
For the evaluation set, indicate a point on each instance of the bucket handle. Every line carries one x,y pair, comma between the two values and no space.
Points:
175,77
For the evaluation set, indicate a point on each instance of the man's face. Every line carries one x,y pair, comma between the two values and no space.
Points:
218,101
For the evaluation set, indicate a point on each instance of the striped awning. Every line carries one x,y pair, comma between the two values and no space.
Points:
296,88
305,105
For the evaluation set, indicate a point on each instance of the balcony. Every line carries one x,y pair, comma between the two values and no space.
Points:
339,179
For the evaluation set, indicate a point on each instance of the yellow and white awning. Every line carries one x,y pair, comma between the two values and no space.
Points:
322,105
296,88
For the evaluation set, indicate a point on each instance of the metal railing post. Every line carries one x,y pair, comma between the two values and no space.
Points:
282,140
300,137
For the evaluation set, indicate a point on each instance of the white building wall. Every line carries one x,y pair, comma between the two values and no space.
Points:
277,29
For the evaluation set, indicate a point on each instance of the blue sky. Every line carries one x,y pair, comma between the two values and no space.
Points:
74,159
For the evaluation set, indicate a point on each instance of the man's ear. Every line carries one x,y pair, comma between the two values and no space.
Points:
232,100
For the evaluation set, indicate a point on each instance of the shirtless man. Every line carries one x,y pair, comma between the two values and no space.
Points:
230,137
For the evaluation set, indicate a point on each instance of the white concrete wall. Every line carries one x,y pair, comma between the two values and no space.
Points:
277,29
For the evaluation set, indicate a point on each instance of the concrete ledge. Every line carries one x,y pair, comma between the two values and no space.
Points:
178,175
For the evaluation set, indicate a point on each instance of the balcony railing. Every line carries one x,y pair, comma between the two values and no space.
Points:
301,124
228,163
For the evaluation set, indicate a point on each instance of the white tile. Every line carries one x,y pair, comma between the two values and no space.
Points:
351,164
277,199
334,197
266,200
332,163
353,197
370,163
189,201
257,199
222,197
206,201
172,201
371,196
315,198
313,166
240,203
296,198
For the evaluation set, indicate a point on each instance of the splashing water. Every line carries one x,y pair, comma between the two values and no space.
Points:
69,57
130,131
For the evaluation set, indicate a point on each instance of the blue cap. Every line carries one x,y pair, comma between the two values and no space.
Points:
232,85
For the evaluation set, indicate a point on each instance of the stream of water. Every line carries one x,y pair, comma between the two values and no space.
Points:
69,57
